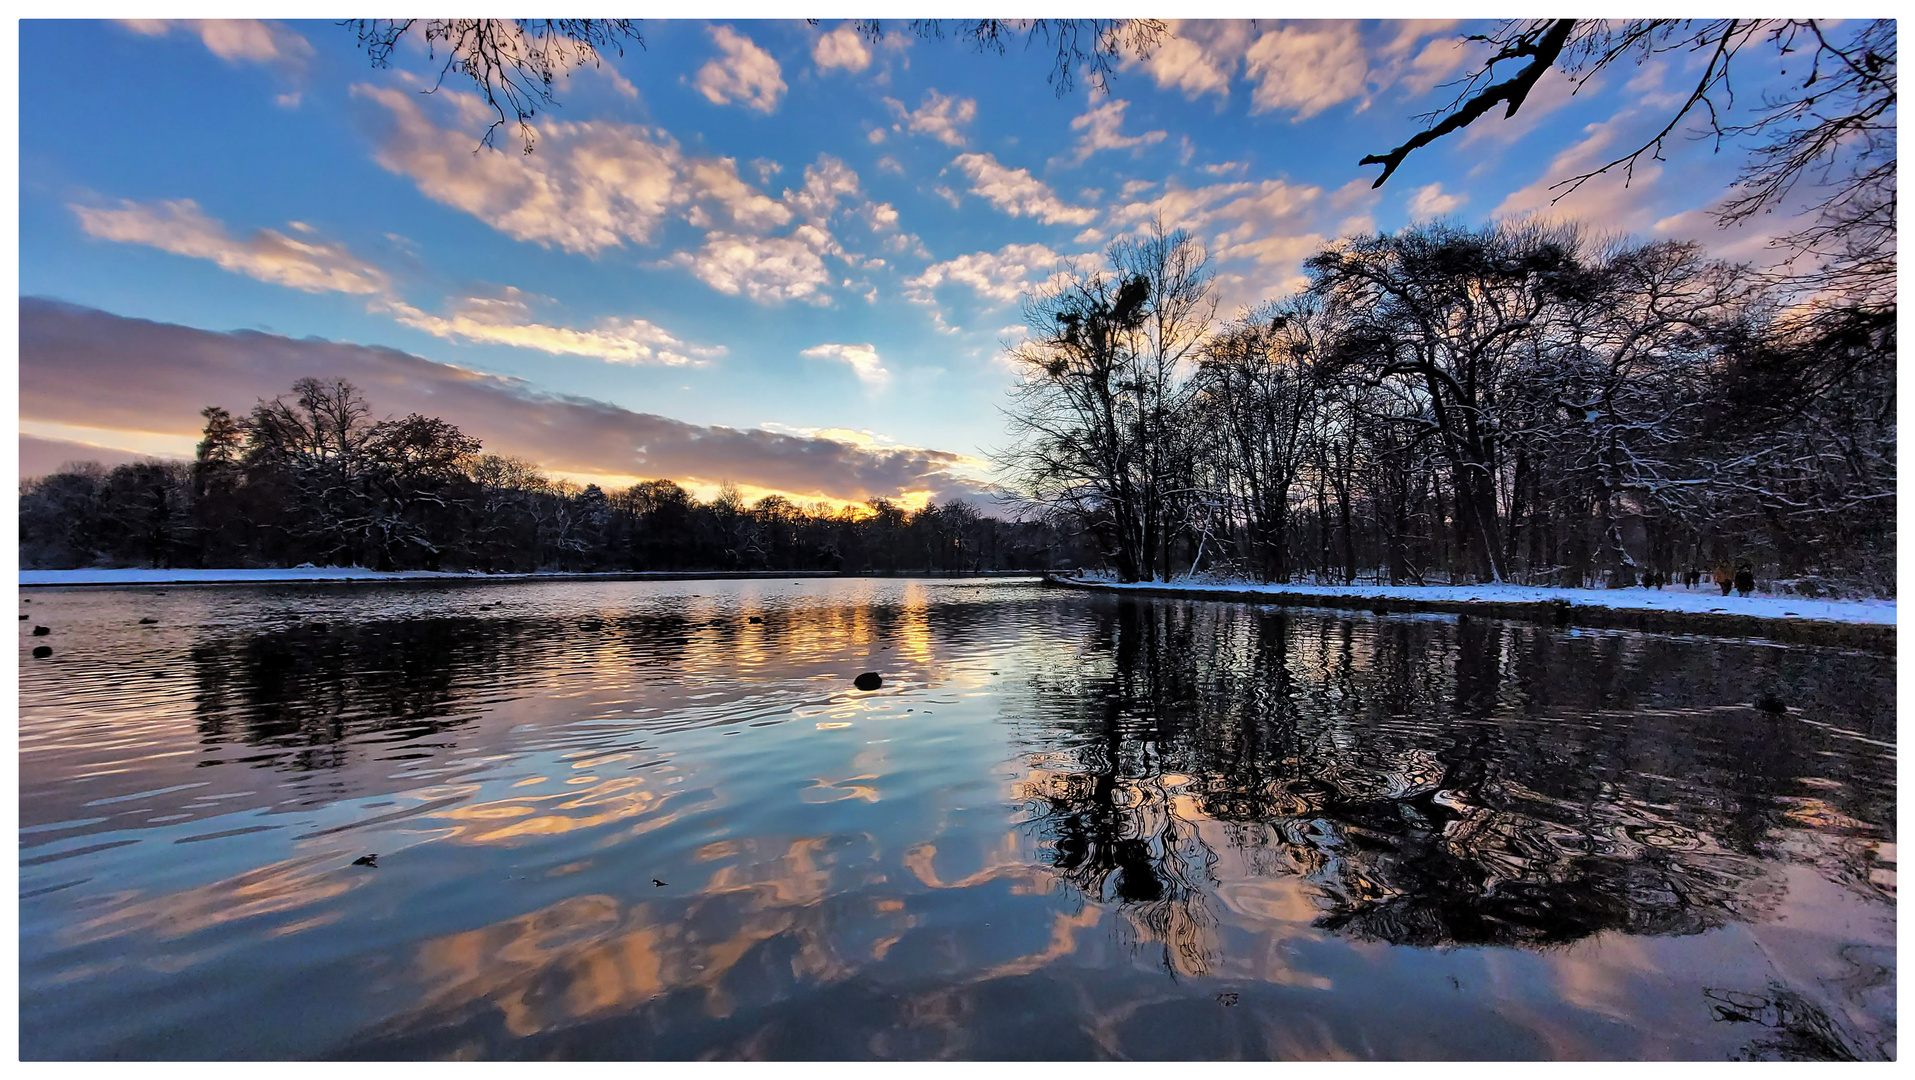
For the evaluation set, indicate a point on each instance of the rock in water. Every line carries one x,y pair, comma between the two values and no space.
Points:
150,622
754,619
367,860
1769,703
41,652
870,680
23,618
41,631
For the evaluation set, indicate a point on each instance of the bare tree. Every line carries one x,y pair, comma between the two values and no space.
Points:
1102,385
1831,126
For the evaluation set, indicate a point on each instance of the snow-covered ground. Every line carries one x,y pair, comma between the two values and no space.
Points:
1702,600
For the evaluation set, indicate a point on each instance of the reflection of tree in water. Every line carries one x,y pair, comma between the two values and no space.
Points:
1787,1026
1443,782
1110,823
303,691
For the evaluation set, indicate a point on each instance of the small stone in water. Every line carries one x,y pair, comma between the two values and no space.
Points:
870,680
41,631
41,652
148,622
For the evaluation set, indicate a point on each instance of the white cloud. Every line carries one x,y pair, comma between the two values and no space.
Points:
1101,129
1306,68
1002,275
1432,202
1197,57
863,360
939,116
1270,223
841,48
242,40
235,39
590,186
506,319
767,269
310,263
1604,199
178,226
745,73
1434,64
827,181
1018,193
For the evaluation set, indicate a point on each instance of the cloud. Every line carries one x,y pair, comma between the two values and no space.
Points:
590,186
767,269
1002,275
1605,198
939,116
1434,64
828,181
863,360
235,40
841,48
80,366
315,265
1306,68
1431,202
179,227
745,73
1272,225
1018,193
1264,220
506,319
1101,127
1197,57
596,185
41,456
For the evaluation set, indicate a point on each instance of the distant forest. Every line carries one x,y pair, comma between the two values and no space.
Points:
311,477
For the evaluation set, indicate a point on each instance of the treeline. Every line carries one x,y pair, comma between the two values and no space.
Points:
1516,403
311,477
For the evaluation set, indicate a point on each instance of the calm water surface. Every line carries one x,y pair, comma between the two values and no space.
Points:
655,820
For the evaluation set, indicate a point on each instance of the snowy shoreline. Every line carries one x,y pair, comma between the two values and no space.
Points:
1863,623
1672,598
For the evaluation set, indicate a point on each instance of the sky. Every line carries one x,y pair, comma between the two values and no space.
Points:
770,254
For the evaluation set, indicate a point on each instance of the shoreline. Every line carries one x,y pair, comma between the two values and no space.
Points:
1863,628
330,575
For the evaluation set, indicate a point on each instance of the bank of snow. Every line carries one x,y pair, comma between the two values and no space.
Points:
1700,601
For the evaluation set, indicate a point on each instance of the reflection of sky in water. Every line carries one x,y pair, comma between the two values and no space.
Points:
1064,827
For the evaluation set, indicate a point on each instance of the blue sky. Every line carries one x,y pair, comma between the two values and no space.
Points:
756,227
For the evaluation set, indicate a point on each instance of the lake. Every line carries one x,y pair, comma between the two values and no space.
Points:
657,820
